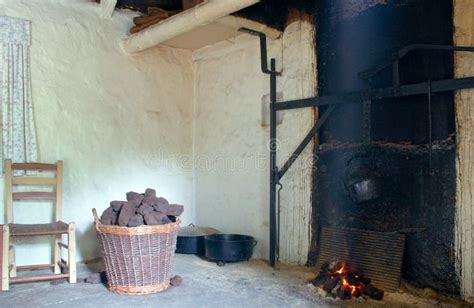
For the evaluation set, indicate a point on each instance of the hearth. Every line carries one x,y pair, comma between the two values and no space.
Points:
385,156
400,152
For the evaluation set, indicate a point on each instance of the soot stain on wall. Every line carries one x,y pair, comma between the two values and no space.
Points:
351,39
275,13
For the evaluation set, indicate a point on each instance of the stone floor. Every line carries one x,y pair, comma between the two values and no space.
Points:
246,284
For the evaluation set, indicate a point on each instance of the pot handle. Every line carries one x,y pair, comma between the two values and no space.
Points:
254,243
192,225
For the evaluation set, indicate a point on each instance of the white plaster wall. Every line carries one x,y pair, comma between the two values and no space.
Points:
119,122
464,99
231,169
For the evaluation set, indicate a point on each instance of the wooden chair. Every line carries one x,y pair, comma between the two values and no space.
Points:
57,228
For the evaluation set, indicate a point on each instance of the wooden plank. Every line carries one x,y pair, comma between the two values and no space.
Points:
38,278
33,166
39,233
33,180
8,190
58,214
34,195
72,253
4,258
34,267
55,228
59,192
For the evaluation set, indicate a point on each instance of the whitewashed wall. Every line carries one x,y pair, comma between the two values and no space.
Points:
119,122
230,146
464,99
124,122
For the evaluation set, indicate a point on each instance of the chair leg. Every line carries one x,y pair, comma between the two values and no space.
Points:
12,257
57,254
72,253
5,256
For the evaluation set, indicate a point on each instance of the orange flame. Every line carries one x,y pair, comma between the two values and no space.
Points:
341,270
352,289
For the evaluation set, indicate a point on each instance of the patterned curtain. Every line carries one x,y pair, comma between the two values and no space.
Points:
19,135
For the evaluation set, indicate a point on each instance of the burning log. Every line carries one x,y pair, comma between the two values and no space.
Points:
140,209
339,281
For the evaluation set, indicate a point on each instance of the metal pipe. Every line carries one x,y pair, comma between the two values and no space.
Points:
280,187
314,130
263,49
273,167
430,130
380,93
403,52
274,178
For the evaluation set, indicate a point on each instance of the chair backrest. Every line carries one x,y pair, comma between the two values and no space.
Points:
12,180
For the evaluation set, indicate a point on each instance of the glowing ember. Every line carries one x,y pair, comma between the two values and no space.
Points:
352,289
341,270
339,280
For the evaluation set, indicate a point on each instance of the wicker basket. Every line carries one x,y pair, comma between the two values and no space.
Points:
137,260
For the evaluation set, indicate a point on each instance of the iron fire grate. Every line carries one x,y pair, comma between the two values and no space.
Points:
378,255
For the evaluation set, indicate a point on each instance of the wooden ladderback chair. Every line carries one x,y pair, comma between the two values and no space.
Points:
11,230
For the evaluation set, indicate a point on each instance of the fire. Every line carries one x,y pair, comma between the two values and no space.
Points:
342,280
355,290
352,289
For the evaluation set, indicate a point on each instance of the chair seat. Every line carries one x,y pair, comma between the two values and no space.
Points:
58,227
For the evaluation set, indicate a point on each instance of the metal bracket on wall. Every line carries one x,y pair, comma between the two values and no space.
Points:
263,50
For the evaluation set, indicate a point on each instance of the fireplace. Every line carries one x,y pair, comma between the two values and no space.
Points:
406,153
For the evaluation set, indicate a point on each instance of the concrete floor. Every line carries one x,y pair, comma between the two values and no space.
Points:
246,284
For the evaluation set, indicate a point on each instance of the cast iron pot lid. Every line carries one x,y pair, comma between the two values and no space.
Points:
194,231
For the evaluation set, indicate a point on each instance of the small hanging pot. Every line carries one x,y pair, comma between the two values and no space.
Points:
362,182
191,239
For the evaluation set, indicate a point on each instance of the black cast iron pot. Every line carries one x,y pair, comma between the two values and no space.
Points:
361,181
191,239
229,247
